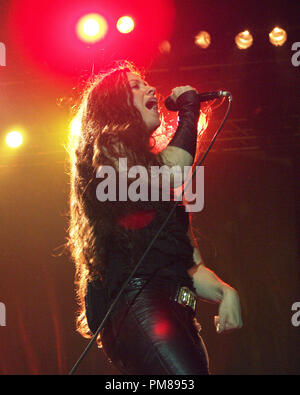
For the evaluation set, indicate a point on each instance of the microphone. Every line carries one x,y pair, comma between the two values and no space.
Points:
206,96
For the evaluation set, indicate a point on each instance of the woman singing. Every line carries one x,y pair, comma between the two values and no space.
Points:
152,328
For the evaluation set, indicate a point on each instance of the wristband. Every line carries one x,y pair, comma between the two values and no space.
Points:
185,136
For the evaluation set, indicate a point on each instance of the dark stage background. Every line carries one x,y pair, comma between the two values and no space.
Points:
248,231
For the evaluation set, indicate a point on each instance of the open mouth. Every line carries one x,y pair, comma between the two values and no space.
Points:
152,104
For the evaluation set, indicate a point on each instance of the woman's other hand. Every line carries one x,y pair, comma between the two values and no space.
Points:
176,92
229,317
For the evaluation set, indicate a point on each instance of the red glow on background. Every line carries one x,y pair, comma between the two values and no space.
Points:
44,33
136,220
162,328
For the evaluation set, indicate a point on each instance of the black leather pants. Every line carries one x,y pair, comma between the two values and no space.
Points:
150,334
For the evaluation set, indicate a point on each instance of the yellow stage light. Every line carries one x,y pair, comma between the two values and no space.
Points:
75,127
277,36
91,28
244,40
125,24
203,39
14,139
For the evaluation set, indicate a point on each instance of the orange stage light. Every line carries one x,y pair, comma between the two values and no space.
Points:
164,47
244,39
277,36
203,39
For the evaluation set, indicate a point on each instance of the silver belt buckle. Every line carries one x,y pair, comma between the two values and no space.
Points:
187,298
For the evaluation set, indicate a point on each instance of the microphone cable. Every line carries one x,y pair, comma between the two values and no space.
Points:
93,339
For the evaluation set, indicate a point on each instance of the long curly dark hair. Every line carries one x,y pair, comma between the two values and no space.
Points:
110,127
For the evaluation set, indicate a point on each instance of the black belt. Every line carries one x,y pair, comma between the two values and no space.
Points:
180,293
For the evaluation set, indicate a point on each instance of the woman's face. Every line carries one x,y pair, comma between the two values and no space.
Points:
145,101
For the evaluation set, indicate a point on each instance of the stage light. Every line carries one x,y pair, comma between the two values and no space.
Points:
277,36
14,139
203,39
125,24
91,28
244,40
164,47
75,127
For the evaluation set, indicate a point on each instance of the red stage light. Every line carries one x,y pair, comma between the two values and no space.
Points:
44,33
